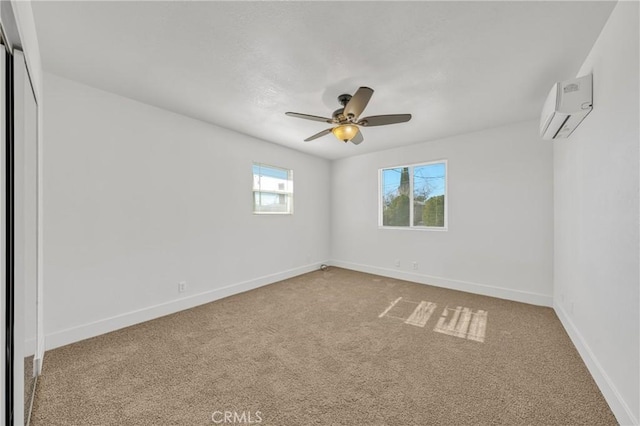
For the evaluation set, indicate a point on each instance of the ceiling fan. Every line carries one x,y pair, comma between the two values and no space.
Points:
347,119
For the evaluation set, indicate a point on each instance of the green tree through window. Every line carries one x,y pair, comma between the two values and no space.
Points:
396,213
433,211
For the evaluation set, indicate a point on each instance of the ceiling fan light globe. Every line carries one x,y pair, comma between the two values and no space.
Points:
345,132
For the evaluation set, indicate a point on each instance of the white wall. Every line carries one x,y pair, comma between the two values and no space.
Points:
596,219
499,240
138,199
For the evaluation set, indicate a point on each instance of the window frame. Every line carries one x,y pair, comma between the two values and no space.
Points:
288,194
411,226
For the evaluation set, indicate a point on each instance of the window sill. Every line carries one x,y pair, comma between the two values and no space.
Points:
415,228
272,214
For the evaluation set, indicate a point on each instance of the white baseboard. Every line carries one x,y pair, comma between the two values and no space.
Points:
106,325
617,404
471,287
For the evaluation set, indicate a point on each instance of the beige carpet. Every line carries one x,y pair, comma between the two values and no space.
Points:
317,350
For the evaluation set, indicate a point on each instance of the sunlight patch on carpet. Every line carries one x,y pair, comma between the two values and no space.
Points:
463,322
458,322
421,314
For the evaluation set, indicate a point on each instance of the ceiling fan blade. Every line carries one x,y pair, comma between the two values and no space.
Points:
358,102
357,139
381,120
309,117
318,135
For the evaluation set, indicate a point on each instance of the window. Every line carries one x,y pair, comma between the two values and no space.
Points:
272,190
414,196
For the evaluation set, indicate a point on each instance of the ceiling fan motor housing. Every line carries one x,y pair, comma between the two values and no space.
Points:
344,99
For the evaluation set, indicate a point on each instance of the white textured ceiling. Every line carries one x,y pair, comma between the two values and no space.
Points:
456,66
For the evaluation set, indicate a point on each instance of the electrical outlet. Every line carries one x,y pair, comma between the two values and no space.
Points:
414,265
397,263
182,286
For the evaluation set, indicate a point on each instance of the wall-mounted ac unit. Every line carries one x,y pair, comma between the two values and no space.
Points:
567,105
